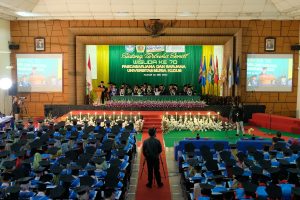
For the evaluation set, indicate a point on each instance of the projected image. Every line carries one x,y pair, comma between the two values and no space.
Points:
39,72
271,73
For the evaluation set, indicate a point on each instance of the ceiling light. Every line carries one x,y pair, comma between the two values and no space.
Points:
122,14
27,14
185,14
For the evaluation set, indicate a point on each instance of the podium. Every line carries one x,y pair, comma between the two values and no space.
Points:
99,92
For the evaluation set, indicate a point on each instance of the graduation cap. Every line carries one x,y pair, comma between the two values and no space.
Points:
212,165
258,156
87,180
39,169
230,162
89,129
67,178
279,146
121,153
75,167
6,176
251,150
4,154
35,144
44,163
219,146
42,186
9,164
30,136
19,121
265,164
99,136
237,171
56,170
273,152
98,160
64,161
293,170
46,178
61,124
256,170
274,191
24,180
273,170
82,189
115,163
225,155
241,156
74,135
72,154
92,140
193,162
287,152
107,145
53,150
284,162
249,187
90,168
206,186
13,189
57,192
69,127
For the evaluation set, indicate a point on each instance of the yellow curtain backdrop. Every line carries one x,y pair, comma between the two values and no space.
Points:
102,66
207,52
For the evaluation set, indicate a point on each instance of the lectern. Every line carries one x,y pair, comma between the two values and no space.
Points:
99,92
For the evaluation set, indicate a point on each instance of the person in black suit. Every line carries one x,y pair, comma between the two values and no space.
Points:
237,116
104,91
152,150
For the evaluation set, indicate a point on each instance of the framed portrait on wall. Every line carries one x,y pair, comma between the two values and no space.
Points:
270,43
39,44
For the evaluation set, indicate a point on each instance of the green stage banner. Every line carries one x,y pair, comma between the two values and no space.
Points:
154,64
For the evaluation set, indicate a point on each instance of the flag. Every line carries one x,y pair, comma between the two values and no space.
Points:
89,76
203,79
230,74
216,72
200,73
237,73
211,70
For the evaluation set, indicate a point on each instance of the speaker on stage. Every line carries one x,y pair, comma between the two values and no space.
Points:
13,90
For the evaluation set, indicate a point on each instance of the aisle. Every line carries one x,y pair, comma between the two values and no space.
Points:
144,193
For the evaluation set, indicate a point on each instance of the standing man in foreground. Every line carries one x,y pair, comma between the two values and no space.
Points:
151,150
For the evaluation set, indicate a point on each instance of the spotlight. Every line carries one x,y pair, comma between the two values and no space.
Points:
5,83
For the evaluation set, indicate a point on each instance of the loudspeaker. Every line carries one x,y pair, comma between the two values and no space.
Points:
13,90
295,47
14,46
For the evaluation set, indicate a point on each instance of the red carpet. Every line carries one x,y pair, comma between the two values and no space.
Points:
144,193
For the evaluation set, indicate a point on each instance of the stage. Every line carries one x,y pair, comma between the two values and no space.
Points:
224,110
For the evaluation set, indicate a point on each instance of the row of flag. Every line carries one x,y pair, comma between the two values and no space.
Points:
211,76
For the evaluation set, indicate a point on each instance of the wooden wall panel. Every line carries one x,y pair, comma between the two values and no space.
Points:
61,38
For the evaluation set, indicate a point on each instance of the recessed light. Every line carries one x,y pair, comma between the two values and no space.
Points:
27,14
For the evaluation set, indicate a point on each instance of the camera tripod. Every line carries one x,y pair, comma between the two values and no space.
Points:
162,164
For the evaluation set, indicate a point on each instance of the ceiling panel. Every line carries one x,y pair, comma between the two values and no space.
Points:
145,9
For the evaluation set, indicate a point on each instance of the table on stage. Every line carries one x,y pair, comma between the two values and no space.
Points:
156,98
